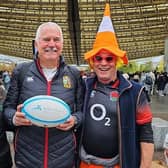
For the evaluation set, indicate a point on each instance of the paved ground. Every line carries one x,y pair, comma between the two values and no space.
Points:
159,107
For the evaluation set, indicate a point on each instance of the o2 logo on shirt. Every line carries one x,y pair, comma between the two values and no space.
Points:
102,116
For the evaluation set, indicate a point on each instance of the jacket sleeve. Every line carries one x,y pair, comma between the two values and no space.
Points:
12,97
79,98
144,113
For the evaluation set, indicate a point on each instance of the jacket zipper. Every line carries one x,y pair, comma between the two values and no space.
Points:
119,126
46,132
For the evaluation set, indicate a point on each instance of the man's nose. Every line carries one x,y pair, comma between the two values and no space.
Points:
104,62
51,42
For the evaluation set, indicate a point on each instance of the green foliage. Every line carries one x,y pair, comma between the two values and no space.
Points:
132,67
135,67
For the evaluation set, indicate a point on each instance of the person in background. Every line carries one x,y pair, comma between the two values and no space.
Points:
117,130
5,155
152,75
6,79
48,74
2,94
136,78
147,82
161,82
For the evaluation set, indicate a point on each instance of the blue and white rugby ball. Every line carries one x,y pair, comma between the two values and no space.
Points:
46,111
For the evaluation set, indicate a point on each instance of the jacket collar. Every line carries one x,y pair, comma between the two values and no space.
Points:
123,85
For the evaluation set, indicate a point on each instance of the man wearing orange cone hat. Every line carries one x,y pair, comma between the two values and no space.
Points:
117,130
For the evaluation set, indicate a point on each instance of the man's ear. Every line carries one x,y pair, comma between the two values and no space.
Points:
35,51
35,44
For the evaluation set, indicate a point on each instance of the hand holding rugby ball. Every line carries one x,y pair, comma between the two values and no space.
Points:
46,111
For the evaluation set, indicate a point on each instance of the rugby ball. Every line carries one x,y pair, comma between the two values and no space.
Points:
46,111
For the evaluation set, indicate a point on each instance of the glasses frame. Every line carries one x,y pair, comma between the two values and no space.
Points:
99,59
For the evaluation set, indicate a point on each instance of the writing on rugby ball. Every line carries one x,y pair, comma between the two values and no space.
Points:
46,111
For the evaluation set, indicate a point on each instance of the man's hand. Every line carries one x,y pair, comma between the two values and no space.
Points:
70,123
19,118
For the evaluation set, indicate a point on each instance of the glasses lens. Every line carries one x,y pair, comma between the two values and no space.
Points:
109,59
99,59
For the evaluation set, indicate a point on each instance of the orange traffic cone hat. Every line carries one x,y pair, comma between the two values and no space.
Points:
106,39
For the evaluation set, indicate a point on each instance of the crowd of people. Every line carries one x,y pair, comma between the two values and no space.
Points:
110,122
5,153
155,83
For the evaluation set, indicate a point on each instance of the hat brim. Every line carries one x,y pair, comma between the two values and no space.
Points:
117,52
120,55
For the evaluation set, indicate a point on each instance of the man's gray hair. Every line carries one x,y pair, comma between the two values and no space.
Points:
53,24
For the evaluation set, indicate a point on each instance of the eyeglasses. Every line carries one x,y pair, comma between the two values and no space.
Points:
98,58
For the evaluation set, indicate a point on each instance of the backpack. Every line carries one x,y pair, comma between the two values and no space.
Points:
148,80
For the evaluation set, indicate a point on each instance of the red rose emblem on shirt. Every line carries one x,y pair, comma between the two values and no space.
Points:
114,95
